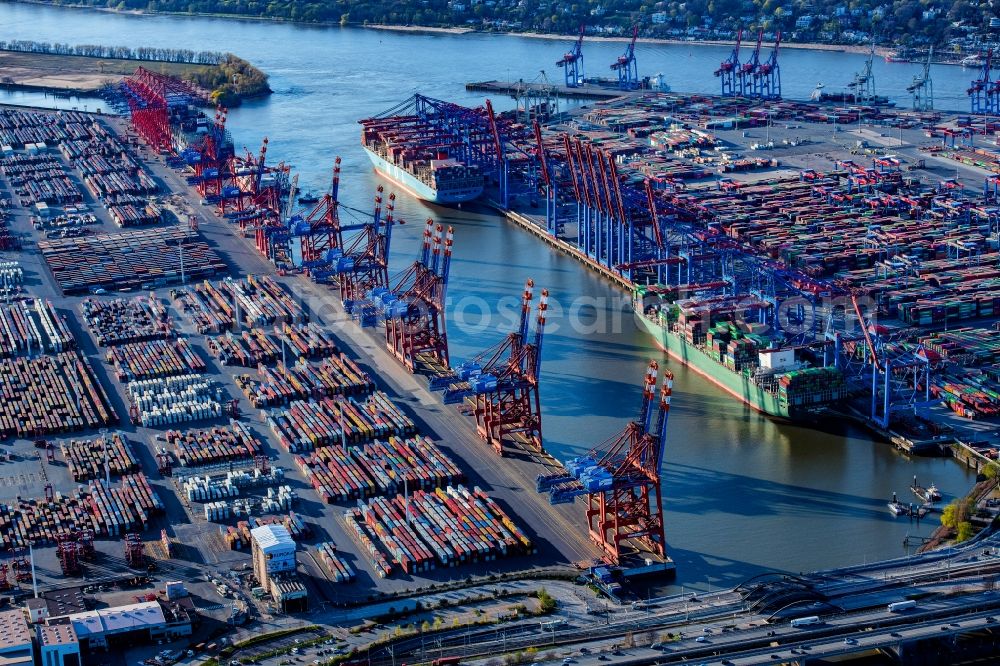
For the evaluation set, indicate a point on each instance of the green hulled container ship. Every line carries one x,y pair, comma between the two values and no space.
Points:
708,338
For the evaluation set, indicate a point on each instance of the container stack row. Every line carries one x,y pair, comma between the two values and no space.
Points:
305,426
445,527
19,128
334,376
39,179
220,444
253,301
51,394
307,340
378,468
173,400
970,347
87,459
338,568
248,349
32,326
108,510
11,274
152,359
119,321
230,484
134,259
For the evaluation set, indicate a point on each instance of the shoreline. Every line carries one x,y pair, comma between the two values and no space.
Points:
881,51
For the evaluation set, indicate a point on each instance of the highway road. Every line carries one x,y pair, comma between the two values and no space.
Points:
749,624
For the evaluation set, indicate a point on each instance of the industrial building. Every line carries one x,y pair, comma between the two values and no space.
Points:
15,639
59,645
273,553
151,620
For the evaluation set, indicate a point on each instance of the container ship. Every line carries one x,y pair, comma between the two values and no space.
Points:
777,381
418,162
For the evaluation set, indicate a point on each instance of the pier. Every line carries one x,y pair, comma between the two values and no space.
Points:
526,88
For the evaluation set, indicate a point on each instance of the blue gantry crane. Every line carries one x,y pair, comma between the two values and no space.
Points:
767,78
984,93
572,63
626,66
729,71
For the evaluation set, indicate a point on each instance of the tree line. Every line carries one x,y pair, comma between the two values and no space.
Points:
916,23
116,52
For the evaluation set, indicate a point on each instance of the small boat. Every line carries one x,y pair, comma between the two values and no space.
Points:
308,198
896,507
974,60
928,495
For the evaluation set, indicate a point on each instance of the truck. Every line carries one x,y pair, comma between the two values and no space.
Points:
900,606
805,621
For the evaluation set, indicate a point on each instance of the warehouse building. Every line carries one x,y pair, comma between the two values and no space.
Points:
273,553
15,639
59,645
105,627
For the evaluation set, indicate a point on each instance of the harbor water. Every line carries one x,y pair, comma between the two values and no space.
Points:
743,494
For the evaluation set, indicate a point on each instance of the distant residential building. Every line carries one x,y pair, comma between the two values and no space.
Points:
658,17
599,10
804,21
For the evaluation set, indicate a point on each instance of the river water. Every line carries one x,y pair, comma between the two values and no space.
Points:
742,494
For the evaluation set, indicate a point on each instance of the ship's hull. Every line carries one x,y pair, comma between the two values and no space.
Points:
418,188
737,384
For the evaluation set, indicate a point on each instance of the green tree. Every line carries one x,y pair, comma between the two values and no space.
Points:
950,515
964,531
546,602
991,471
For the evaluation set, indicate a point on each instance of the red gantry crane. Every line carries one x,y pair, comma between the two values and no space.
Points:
317,230
501,384
151,97
984,93
415,329
621,479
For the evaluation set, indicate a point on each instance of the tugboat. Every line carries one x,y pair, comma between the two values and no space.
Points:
897,508
928,495
308,198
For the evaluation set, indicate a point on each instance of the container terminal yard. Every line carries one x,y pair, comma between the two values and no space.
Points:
240,390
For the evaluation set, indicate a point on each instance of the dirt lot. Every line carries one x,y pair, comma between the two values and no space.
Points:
74,73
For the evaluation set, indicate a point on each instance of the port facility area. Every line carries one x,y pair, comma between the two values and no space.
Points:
796,221
117,329
115,337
